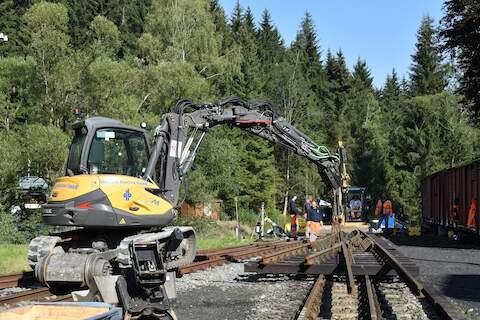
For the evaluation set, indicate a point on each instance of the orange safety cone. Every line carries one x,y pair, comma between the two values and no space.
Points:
472,213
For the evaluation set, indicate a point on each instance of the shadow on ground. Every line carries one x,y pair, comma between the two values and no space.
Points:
430,240
462,287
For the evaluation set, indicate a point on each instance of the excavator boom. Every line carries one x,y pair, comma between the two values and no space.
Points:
177,152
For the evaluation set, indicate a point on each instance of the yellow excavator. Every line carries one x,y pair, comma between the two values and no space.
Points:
119,194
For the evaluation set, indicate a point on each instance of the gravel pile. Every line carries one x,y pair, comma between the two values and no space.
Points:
226,292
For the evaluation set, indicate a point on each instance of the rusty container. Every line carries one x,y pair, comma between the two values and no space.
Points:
444,189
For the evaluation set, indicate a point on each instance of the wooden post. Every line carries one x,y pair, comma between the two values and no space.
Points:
237,228
262,223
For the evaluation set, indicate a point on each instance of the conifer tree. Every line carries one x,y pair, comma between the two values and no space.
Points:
270,44
12,25
362,76
220,22
461,34
427,74
236,22
391,91
307,51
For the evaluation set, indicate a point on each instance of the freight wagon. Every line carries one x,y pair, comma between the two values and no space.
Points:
449,198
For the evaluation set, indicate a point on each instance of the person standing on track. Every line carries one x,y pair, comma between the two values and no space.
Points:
293,210
313,220
384,211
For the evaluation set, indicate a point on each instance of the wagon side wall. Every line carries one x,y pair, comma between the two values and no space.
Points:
440,190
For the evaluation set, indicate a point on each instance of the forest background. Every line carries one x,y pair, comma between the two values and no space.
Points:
132,60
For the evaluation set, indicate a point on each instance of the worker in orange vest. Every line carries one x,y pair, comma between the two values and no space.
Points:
383,210
472,213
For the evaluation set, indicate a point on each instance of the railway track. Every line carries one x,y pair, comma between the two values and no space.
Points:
205,259
360,276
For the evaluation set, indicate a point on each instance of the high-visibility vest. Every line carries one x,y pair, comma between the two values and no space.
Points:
384,208
471,214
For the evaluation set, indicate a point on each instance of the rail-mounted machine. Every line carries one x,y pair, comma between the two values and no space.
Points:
119,195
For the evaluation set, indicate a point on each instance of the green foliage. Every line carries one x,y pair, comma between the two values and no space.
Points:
106,37
180,30
8,230
45,148
427,71
460,32
133,61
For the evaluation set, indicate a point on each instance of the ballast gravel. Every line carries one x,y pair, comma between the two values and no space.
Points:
13,290
450,267
226,292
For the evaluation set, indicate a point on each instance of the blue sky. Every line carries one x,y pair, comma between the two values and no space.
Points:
382,32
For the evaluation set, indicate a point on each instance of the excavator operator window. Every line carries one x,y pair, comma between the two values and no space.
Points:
75,153
118,151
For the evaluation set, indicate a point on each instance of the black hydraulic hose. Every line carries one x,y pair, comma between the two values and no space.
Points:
157,149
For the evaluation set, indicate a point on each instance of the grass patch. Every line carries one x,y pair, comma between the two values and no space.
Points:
221,234
220,242
13,258
210,235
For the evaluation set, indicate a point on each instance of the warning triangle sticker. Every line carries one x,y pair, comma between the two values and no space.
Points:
122,221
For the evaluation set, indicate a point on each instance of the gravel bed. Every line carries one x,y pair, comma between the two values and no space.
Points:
337,303
449,267
226,292
399,303
9,291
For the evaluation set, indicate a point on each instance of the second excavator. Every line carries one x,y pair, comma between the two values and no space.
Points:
119,194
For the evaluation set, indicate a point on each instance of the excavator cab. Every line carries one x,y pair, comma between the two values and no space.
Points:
106,146
103,187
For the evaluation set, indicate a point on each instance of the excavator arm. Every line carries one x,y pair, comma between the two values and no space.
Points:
180,134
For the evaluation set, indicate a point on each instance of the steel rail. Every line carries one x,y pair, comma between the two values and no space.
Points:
44,294
27,295
348,259
16,279
440,304
393,262
285,253
372,299
310,259
298,249
314,300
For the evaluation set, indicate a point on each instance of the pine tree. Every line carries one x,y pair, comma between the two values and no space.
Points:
220,22
11,24
461,34
236,22
361,75
337,92
80,15
391,91
306,48
270,44
427,71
